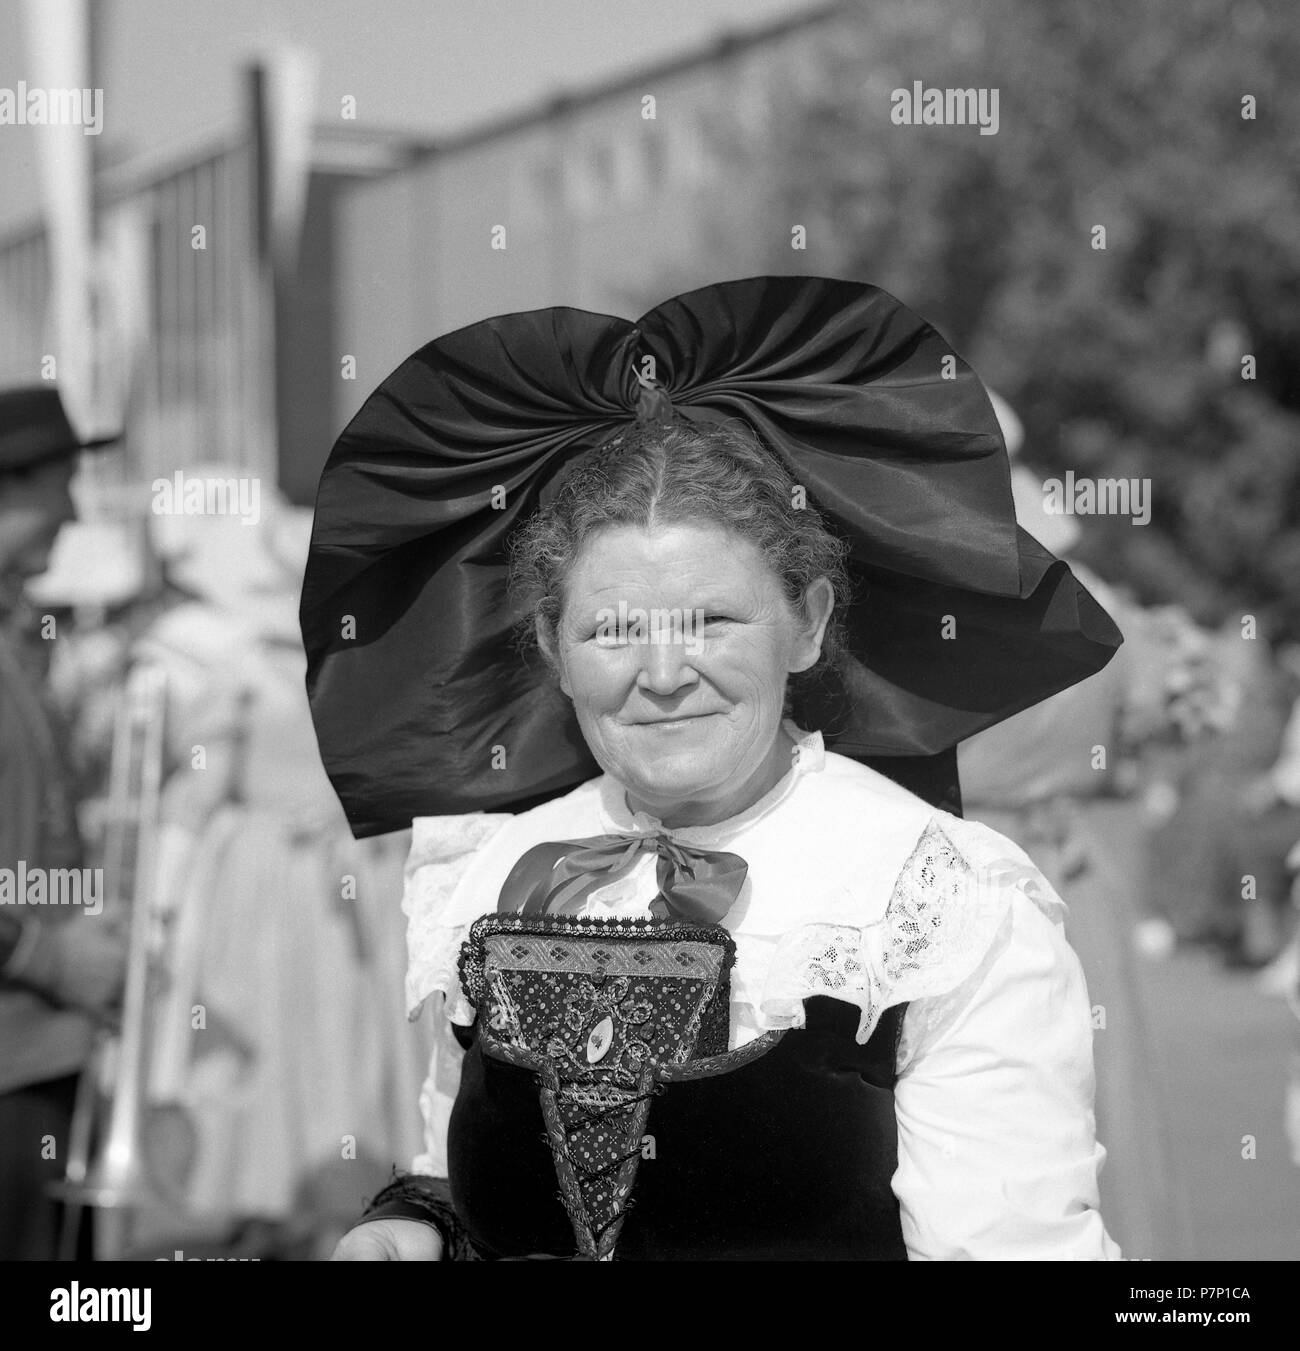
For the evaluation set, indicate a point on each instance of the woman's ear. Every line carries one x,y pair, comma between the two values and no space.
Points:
818,605
550,651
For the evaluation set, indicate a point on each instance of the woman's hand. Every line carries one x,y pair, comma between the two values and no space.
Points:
390,1241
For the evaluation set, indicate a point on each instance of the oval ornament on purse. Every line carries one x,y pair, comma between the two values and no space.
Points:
602,1037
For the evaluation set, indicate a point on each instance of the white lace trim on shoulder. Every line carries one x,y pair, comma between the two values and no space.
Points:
442,848
951,900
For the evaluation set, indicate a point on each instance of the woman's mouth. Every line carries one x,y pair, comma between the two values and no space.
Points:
673,723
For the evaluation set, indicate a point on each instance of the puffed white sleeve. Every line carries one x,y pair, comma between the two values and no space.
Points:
438,916
438,1095
997,1151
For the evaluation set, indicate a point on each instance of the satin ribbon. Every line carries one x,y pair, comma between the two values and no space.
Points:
556,878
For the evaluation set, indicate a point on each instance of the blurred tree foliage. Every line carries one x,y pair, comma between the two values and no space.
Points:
1125,361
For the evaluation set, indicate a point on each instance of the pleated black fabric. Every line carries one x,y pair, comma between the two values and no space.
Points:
422,700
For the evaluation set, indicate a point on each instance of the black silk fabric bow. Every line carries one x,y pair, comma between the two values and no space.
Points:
422,700
557,878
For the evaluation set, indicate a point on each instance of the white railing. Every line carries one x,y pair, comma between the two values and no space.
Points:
194,381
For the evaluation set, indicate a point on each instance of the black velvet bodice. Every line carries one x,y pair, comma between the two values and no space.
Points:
783,1149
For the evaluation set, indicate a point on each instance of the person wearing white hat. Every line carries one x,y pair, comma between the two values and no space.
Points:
302,1083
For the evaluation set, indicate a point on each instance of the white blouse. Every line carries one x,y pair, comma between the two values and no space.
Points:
859,890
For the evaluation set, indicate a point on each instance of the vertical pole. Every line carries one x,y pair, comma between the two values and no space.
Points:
57,51
261,450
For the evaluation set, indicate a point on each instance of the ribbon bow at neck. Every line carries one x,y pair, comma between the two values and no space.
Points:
557,878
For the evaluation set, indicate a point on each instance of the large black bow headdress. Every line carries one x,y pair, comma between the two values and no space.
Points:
422,700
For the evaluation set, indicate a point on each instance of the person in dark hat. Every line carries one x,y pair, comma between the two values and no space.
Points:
718,970
61,968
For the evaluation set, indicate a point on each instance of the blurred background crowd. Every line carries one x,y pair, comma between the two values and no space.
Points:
285,200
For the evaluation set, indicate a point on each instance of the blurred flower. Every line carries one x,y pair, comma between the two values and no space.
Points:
1188,693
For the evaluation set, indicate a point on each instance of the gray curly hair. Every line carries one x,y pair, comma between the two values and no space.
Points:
654,474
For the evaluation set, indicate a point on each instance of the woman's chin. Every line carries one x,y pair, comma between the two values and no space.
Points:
667,779
671,765
674,782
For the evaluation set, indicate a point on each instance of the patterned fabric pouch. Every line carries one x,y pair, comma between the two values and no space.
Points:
596,1008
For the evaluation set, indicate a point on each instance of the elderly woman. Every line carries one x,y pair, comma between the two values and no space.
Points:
737,995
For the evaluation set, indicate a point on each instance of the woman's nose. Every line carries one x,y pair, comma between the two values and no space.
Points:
665,667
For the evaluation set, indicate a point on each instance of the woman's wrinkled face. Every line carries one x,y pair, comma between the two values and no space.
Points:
675,644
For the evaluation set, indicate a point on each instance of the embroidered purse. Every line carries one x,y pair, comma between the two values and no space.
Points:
600,1011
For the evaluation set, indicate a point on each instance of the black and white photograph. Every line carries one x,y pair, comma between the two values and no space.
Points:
650,633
